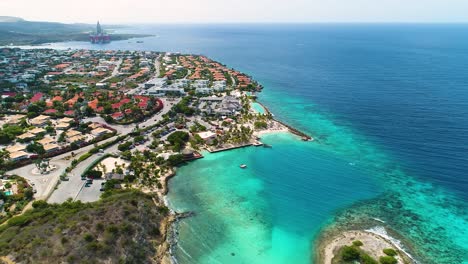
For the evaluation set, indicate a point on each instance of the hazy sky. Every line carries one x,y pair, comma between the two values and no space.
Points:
169,11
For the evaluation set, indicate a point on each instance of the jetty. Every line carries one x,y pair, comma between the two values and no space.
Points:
229,148
291,129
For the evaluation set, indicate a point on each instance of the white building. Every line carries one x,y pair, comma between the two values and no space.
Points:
207,136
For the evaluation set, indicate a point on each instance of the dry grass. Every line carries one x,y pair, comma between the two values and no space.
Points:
122,228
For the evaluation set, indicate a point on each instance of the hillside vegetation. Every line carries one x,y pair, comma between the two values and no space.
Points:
121,228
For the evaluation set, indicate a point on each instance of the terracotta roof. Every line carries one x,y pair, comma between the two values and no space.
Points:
37,97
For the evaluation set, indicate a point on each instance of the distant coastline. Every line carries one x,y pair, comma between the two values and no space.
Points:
22,40
19,32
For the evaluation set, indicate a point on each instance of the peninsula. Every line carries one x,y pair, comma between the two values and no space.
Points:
82,129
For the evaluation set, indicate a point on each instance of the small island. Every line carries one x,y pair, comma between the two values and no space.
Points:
360,246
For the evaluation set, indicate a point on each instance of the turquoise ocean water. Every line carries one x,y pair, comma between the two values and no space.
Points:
388,106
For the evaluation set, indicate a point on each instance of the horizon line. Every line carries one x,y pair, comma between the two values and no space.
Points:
244,22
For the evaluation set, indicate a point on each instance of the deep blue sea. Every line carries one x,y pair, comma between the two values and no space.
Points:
388,105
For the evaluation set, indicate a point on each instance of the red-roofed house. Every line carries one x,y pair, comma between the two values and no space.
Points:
69,113
57,98
61,66
142,101
50,111
118,116
37,97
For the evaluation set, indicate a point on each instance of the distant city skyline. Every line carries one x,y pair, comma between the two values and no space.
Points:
215,11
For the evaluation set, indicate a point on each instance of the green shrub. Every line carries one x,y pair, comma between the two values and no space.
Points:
388,260
357,243
100,226
124,146
19,220
84,156
349,253
94,246
113,229
88,237
390,252
366,259
260,125
40,204
163,210
94,174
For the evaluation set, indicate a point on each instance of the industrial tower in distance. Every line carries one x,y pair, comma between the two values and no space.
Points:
99,36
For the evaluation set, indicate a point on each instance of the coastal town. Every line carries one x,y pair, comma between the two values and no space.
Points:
77,125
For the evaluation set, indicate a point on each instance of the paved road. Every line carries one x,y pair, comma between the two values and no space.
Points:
73,187
125,129
45,184
114,72
157,66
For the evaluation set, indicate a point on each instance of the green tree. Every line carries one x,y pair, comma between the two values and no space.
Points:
175,160
388,260
35,148
4,157
260,125
357,243
349,253
180,137
124,146
390,252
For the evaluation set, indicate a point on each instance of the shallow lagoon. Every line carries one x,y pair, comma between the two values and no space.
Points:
266,213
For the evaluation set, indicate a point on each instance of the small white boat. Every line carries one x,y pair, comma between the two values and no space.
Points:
243,166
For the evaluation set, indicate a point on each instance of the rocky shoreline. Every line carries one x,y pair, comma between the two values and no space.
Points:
170,232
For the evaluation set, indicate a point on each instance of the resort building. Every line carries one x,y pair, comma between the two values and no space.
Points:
163,91
36,131
100,131
19,155
62,126
71,133
15,148
220,106
39,121
14,119
46,141
65,120
204,90
207,136
76,139
26,136
51,147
